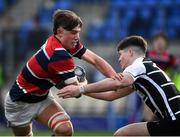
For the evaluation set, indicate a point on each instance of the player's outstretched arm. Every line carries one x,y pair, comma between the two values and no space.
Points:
111,95
103,66
98,87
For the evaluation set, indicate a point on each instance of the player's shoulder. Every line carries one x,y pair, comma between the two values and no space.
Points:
54,42
53,47
137,67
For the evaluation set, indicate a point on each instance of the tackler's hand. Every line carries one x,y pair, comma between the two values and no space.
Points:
118,76
70,91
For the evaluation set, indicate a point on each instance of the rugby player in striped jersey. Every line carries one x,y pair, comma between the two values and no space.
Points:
53,65
141,75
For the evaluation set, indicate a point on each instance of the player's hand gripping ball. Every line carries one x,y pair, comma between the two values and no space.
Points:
80,73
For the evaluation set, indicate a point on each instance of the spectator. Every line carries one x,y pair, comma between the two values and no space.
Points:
159,53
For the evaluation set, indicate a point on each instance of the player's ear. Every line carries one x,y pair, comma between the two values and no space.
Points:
60,30
131,52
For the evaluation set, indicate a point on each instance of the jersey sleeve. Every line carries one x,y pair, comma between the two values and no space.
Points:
136,69
62,65
78,51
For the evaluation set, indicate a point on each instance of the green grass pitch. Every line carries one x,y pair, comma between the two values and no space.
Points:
8,132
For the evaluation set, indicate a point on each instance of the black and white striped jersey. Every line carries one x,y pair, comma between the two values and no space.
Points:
155,88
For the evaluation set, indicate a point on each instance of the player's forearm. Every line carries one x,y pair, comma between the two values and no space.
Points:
107,96
111,95
108,84
104,67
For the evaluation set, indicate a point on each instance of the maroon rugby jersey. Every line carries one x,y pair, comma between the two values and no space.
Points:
49,66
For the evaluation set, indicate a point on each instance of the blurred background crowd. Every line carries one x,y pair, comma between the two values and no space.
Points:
25,25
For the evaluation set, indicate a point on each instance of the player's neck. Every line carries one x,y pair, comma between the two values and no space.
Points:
134,58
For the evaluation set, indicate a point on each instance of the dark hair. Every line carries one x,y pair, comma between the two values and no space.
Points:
66,19
160,35
136,41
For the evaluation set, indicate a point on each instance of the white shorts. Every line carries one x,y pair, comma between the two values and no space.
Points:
21,114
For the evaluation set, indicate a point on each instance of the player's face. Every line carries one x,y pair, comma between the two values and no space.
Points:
124,56
69,39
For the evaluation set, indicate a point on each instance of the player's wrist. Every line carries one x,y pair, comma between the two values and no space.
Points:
81,89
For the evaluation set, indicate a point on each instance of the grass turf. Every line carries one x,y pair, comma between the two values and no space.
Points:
7,132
